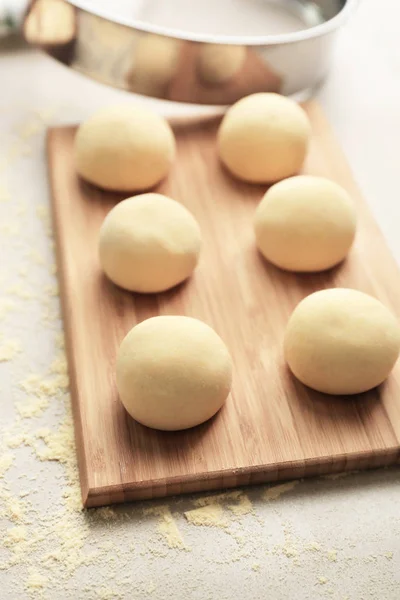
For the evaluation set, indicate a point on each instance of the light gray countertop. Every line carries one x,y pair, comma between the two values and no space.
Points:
323,538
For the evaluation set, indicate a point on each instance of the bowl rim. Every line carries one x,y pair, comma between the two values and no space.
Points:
268,40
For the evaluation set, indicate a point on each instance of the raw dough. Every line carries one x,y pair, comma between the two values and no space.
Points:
173,372
124,148
264,138
305,223
218,63
149,243
341,341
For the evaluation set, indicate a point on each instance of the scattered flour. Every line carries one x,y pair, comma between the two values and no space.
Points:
14,536
218,510
29,128
105,513
313,547
20,291
167,526
10,229
6,460
40,390
218,498
6,306
43,213
243,507
35,256
290,547
207,516
9,350
35,579
332,555
273,493
5,195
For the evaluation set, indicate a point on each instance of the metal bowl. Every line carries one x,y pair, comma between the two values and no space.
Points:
159,48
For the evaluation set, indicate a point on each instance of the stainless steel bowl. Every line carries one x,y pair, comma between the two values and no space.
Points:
160,49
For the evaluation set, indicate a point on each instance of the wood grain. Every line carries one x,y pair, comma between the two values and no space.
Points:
272,427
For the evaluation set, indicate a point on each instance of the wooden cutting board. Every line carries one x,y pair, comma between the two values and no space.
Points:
272,427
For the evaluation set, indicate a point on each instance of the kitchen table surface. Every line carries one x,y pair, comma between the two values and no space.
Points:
335,537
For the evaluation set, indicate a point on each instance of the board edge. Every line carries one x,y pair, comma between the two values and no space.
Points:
230,478
78,431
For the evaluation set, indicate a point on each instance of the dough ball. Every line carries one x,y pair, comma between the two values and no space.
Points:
149,243
155,63
124,148
341,341
218,63
305,223
264,138
173,372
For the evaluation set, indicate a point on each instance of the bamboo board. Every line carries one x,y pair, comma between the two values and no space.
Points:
272,427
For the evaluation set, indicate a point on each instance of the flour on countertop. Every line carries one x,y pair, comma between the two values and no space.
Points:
6,460
6,306
243,507
167,526
207,516
275,492
313,547
14,536
5,195
10,229
43,213
9,350
21,291
214,510
35,579
332,555
218,498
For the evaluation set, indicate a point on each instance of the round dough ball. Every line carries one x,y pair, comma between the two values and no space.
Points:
218,63
124,148
264,138
149,243
173,372
305,223
341,341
